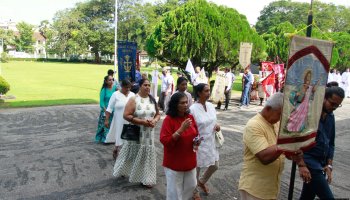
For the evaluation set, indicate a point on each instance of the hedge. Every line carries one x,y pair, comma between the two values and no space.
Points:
4,86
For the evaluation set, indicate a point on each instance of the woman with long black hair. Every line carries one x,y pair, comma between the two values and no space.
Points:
108,88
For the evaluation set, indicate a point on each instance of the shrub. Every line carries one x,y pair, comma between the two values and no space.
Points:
4,57
4,86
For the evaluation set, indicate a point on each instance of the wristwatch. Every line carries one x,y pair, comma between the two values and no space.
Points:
330,167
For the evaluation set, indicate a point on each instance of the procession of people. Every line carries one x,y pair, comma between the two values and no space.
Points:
188,134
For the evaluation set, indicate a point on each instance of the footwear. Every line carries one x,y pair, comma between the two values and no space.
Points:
196,196
225,109
147,186
218,108
203,187
115,152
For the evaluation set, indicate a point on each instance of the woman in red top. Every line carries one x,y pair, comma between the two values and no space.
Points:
177,135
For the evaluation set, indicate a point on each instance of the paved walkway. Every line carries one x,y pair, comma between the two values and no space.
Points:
49,153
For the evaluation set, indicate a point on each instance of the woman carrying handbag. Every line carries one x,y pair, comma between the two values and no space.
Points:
137,159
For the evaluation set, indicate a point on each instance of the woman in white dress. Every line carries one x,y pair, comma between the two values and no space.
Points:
117,104
138,159
207,155
181,86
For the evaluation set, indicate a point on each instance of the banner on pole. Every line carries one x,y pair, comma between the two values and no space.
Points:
126,60
304,90
245,53
217,94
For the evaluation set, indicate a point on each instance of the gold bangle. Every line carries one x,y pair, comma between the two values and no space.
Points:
177,133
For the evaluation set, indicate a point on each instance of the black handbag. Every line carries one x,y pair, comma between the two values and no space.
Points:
131,132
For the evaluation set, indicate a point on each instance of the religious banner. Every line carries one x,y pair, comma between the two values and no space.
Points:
245,53
279,76
217,93
202,78
304,90
268,83
126,60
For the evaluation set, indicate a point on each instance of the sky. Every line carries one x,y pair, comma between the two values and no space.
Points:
34,11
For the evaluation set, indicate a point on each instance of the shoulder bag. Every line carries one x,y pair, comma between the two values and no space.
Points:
131,132
219,139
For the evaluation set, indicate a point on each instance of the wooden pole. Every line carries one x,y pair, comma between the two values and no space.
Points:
294,165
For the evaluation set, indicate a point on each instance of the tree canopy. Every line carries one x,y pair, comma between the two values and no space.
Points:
327,17
24,40
208,34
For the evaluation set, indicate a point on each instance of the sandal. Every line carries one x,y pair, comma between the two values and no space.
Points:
115,152
147,186
196,196
203,187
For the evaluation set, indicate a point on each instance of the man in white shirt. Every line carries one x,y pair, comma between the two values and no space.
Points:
229,79
345,78
196,81
330,76
167,87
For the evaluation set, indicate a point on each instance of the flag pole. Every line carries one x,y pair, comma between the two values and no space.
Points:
294,165
115,39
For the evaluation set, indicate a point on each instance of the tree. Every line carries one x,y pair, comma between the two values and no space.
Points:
342,47
327,17
208,34
24,40
8,38
67,36
98,29
277,40
46,30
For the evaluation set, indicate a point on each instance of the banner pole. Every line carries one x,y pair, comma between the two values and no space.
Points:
115,39
294,165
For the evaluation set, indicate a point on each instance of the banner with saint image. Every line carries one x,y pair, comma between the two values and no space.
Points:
304,89
126,60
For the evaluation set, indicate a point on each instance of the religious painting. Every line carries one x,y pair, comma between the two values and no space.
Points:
304,90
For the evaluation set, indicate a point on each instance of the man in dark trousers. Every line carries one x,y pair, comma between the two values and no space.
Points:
316,167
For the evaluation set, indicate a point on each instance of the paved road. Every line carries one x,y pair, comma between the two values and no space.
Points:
49,153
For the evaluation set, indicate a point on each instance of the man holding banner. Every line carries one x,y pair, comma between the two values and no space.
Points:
262,161
316,167
248,80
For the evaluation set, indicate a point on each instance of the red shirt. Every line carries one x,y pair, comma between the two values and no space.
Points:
178,154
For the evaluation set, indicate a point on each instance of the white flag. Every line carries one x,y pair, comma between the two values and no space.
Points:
190,69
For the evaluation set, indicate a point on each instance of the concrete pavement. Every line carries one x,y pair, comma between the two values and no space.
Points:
50,153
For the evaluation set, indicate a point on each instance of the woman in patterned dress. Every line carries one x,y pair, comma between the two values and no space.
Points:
207,155
138,159
108,88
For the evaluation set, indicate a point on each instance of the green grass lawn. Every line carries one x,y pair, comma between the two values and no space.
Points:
44,83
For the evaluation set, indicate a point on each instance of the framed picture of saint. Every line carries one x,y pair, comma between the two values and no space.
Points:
304,89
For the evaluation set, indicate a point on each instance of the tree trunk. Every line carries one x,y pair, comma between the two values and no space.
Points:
97,58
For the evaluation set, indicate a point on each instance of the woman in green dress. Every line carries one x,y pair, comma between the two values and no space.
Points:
108,88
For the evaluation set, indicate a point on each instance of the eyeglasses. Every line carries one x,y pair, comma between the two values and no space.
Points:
334,104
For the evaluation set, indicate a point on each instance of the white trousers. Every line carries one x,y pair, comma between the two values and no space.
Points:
180,185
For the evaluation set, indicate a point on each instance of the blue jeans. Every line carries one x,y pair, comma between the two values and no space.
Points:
317,186
245,98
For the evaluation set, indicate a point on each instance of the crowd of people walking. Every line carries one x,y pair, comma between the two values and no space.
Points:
188,135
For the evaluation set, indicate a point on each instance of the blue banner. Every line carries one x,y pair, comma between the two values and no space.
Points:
126,60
